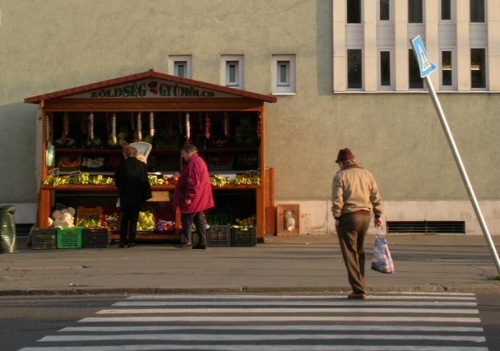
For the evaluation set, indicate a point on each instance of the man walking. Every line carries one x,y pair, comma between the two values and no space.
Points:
355,195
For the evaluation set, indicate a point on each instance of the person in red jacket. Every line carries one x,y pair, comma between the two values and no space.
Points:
192,196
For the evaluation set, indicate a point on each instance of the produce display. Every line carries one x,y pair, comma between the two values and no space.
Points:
93,162
246,222
79,179
237,136
69,161
146,221
245,133
112,220
241,179
89,222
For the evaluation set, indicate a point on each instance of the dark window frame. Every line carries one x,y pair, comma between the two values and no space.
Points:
415,81
477,11
355,69
415,11
354,11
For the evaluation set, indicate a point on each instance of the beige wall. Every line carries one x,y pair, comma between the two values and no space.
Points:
57,44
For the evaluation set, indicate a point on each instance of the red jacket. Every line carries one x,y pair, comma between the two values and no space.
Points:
194,184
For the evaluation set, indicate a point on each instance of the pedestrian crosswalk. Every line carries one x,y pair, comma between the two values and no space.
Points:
385,322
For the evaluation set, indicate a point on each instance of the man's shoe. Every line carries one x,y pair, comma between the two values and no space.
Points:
131,244
121,245
200,247
356,296
184,246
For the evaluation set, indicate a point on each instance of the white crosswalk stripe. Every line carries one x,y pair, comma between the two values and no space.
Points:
385,322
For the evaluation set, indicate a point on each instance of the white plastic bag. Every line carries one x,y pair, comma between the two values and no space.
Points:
382,259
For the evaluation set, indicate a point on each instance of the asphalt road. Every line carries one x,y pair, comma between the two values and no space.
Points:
26,319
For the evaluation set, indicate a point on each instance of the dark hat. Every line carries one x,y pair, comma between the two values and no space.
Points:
344,155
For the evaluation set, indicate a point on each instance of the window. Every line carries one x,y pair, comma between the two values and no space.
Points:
283,74
354,69
180,66
283,77
446,68
445,10
415,11
232,71
385,10
385,70
477,11
478,68
353,11
415,81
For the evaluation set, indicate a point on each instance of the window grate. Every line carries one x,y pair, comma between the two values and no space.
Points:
426,227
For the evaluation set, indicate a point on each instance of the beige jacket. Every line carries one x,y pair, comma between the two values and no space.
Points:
355,190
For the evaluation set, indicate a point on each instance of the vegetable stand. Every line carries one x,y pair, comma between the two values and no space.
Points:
85,127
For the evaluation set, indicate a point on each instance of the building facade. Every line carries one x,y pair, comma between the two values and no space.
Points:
343,72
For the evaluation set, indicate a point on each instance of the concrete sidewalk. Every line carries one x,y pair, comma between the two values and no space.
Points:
293,264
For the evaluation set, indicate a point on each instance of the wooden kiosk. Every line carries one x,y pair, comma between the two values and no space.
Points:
84,128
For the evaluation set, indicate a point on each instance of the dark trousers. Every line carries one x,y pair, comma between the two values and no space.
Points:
351,233
128,224
187,220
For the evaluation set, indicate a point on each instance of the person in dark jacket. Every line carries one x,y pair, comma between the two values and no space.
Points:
131,179
192,196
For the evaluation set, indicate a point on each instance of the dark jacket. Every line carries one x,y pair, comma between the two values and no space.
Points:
131,179
194,184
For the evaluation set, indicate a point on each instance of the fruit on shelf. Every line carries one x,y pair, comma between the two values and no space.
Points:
112,220
89,222
67,142
218,180
241,179
154,180
146,221
69,161
246,222
82,179
93,162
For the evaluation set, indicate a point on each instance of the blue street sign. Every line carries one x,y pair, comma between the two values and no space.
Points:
424,62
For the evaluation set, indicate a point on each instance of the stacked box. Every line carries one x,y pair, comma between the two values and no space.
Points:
43,238
69,238
95,238
219,235
243,236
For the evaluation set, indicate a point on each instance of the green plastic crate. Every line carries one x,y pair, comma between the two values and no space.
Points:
70,238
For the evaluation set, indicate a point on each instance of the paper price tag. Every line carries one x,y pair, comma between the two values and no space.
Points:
75,174
54,172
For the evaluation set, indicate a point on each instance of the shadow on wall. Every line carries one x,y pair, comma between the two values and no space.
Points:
18,137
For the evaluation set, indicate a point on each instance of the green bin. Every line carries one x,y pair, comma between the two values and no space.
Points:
7,229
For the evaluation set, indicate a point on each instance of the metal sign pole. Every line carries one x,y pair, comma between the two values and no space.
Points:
463,172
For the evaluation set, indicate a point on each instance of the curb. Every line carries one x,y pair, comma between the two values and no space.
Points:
245,290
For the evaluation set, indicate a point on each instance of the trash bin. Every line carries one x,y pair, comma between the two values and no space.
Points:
7,229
